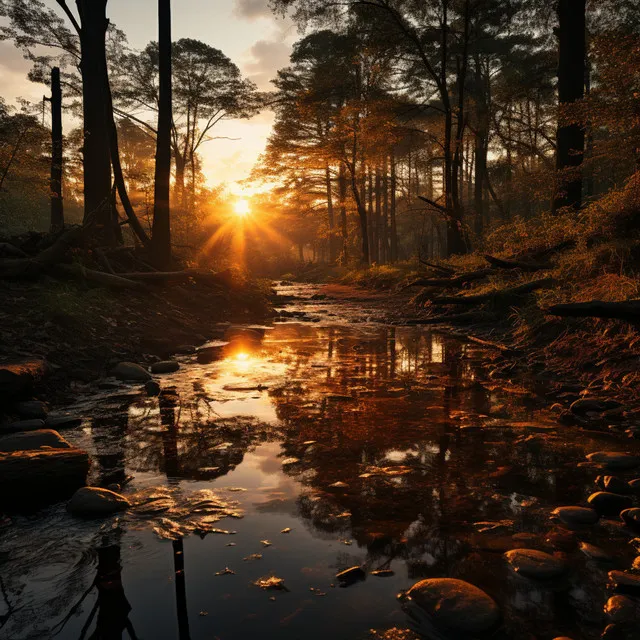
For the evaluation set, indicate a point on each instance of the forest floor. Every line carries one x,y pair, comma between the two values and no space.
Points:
81,332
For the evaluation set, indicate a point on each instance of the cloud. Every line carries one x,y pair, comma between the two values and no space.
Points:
252,9
267,57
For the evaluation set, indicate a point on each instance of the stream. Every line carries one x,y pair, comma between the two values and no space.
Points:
330,439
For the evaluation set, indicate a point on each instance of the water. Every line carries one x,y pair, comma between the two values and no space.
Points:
322,444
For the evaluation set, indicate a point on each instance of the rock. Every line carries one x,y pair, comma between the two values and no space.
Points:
535,564
631,517
185,349
93,501
31,410
613,484
621,631
635,485
152,388
636,564
129,371
562,539
63,422
628,581
207,355
576,515
22,425
584,406
31,440
352,574
17,378
614,460
609,504
595,553
8,250
165,366
455,604
621,609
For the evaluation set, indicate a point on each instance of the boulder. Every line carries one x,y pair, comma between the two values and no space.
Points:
535,564
32,440
595,553
22,425
131,372
576,515
93,501
631,517
63,422
165,366
635,485
609,504
207,355
17,378
621,608
614,460
455,604
613,484
152,388
31,410
624,580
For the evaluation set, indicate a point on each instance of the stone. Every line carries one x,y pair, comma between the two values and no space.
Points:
131,372
614,460
535,564
621,608
351,574
152,388
635,565
31,410
17,378
596,405
613,484
22,425
621,631
595,553
32,440
635,485
631,517
609,504
630,581
165,366
93,501
207,355
62,422
455,604
576,515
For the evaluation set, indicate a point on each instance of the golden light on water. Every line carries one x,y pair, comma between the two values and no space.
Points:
241,208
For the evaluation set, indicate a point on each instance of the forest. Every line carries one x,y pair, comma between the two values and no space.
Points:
357,278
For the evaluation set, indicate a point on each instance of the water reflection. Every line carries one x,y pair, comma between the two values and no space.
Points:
383,446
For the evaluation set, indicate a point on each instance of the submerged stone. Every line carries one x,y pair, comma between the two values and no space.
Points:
535,564
576,515
455,604
93,501
606,503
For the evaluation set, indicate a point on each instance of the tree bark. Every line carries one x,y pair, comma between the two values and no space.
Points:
330,215
161,208
55,185
392,209
342,191
571,77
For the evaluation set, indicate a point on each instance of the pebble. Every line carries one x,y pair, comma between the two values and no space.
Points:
129,371
535,564
576,515
595,553
455,604
631,517
614,459
613,484
609,504
165,366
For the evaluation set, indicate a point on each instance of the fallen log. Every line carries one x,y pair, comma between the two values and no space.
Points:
629,311
110,280
522,289
502,263
453,283
468,317
438,267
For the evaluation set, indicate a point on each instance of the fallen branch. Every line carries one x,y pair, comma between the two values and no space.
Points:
468,317
438,267
629,311
110,280
522,289
502,263
457,282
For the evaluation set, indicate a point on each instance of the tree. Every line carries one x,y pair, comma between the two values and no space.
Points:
57,208
161,212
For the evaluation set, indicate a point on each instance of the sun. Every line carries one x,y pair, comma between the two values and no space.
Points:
241,208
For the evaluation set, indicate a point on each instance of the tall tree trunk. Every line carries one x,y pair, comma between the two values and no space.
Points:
392,209
377,218
161,192
342,191
330,215
571,77
371,212
96,151
384,235
55,185
178,185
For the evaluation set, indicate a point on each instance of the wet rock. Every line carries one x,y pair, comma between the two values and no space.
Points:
576,515
62,422
352,574
595,553
631,517
621,631
635,565
624,580
535,564
207,355
131,372
621,608
31,440
455,604
185,349
22,425
165,366
614,460
93,501
583,406
31,410
613,484
152,388
635,485
18,378
609,504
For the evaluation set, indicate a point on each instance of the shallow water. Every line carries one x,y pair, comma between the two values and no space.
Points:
326,443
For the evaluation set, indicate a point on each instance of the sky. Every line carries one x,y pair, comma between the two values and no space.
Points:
245,30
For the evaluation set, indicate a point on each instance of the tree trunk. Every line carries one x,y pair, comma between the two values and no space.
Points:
178,186
96,151
330,215
392,210
376,248
55,185
161,208
384,235
342,190
571,76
